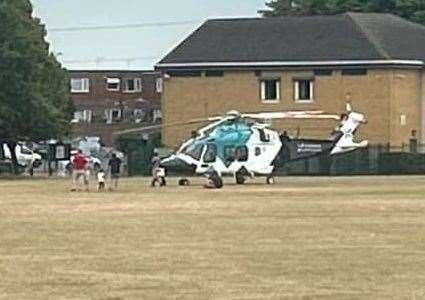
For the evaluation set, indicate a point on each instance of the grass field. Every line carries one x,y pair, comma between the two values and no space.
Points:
303,238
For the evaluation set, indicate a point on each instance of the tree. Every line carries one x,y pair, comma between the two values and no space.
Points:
296,7
413,10
35,103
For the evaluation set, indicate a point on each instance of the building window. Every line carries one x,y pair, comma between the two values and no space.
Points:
82,116
113,84
184,73
80,85
270,90
139,115
214,73
113,115
323,72
156,116
303,90
354,72
159,83
132,85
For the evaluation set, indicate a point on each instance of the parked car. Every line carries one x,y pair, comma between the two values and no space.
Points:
25,156
94,163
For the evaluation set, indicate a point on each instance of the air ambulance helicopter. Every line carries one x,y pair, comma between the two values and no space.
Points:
244,145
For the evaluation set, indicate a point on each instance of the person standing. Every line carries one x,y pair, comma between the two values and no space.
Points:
114,169
101,180
79,166
158,174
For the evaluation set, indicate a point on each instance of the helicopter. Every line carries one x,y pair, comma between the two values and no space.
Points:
244,145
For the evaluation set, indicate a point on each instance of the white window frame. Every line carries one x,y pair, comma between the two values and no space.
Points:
156,115
137,85
109,115
263,90
139,115
78,116
83,116
297,91
113,80
85,85
159,85
87,115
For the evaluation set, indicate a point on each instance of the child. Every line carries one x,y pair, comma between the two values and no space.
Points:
101,180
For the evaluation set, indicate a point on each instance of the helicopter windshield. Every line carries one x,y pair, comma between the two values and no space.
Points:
194,151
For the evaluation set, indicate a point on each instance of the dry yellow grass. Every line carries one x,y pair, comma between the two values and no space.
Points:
303,238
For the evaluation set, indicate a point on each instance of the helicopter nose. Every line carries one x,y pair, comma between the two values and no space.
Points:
175,165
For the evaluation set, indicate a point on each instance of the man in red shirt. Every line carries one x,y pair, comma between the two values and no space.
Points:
79,164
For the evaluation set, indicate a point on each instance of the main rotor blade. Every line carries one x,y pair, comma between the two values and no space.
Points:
160,126
315,114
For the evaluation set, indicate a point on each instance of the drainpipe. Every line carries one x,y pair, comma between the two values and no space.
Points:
422,137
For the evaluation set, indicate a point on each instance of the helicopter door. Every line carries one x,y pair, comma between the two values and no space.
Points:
210,155
242,153
229,154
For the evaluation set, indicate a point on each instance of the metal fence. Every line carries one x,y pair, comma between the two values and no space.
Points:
374,160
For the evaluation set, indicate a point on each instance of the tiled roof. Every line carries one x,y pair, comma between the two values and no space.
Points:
345,37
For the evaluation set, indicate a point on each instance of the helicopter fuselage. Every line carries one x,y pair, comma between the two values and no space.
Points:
228,149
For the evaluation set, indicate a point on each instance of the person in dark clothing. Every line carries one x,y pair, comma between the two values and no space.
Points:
114,169
214,180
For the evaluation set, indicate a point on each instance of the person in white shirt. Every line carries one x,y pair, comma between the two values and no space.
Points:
101,180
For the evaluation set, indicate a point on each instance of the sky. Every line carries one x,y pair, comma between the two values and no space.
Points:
136,48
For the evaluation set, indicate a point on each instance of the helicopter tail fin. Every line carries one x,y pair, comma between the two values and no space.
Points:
343,136
341,140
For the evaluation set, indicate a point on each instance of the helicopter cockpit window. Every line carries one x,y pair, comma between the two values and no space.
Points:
194,151
229,153
242,153
210,154
264,137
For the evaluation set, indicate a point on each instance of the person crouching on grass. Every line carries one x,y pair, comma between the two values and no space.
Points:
79,167
101,180
114,169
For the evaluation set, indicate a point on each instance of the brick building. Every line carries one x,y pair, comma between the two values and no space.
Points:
375,61
110,101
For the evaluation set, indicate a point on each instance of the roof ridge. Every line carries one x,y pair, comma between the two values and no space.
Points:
406,21
283,17
369,36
